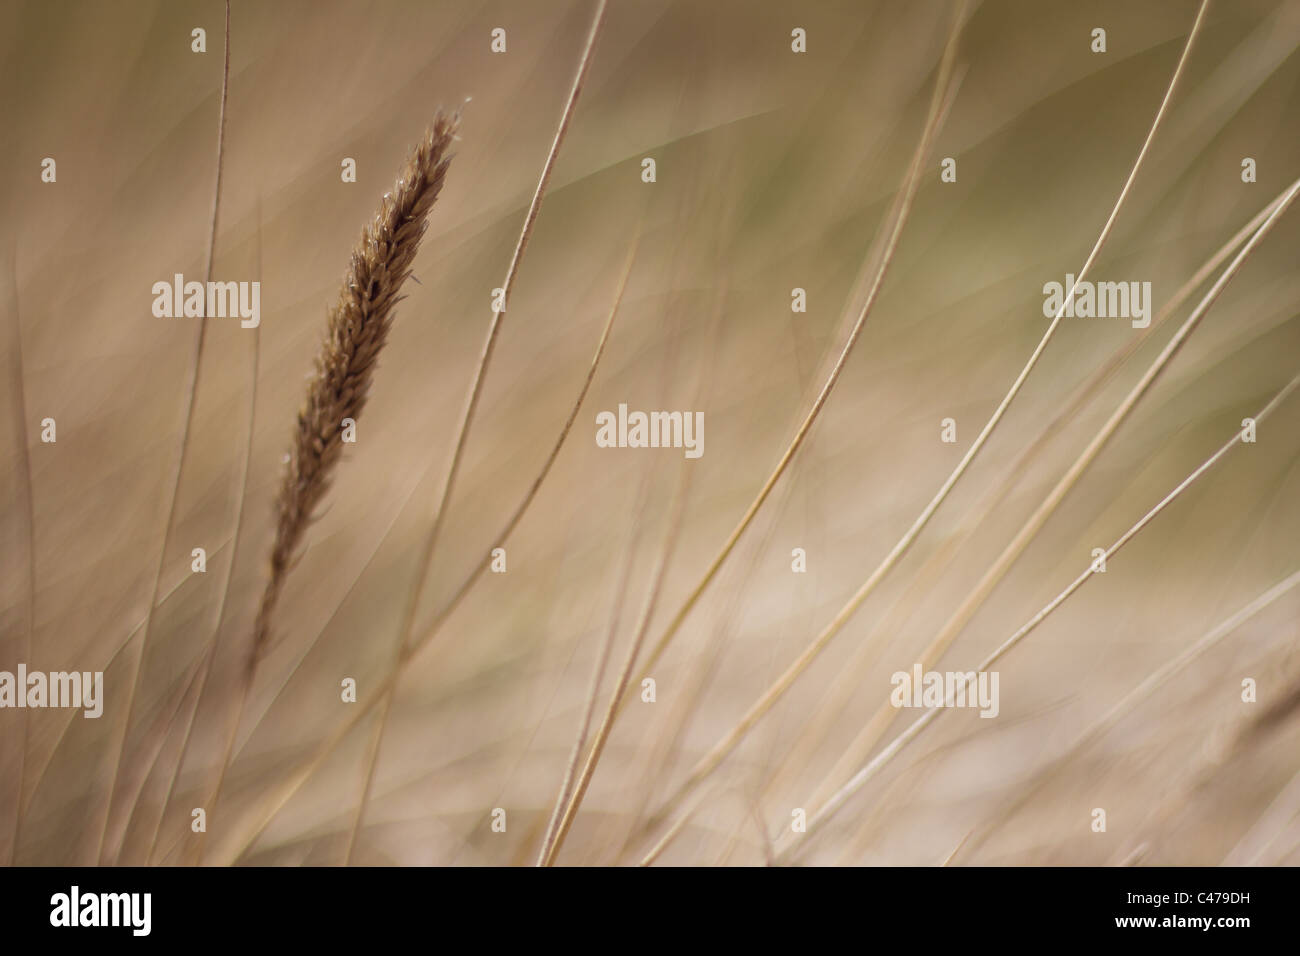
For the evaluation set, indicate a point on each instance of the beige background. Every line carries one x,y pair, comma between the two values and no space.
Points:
775,170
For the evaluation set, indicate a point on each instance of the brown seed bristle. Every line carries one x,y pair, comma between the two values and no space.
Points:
355,335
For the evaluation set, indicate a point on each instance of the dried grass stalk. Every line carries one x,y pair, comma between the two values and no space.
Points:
358,327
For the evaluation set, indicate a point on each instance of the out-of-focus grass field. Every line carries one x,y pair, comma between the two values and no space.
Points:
775,170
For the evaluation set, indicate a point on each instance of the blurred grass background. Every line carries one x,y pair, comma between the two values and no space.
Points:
774,170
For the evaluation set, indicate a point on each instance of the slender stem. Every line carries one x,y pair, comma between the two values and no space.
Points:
29,509
230,568
625,673
195,367
597,675
467,416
